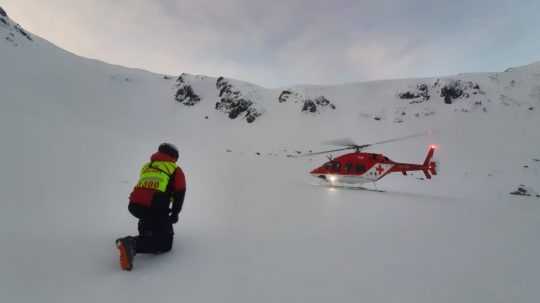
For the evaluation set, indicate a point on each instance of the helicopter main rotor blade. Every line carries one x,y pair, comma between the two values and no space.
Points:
398,139
341,142
350,144
323,152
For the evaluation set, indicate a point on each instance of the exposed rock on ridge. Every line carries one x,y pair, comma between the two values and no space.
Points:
308,105
185,93
10,31
233,103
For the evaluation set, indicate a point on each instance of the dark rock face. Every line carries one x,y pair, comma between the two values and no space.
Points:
521,191
14,31
308,105
251,115
185,93
23,32
187,96
419,95
314,106
459,89
233,103
450,91
284,96
408,95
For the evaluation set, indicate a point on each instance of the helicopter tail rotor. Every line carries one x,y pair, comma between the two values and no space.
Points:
430,167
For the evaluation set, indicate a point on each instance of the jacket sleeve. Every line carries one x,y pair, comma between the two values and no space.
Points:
178,191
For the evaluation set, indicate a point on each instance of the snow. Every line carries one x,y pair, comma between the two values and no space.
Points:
255,228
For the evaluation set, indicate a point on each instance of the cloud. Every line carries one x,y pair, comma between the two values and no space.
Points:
295,41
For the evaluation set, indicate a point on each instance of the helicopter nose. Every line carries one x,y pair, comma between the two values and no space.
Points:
318,171
315,171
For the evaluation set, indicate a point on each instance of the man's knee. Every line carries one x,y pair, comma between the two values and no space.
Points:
165,243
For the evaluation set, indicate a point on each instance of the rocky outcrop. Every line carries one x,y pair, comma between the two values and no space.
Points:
12,31
524,190
308,105
315,105
449,91
459,89
185,93
419,95
233,103
284,96
23,32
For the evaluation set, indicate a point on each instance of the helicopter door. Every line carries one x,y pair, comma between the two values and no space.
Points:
348,168
336,167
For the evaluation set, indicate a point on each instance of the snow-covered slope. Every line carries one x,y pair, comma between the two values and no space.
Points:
254,228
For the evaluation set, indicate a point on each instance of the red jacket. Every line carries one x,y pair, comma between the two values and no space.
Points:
175,188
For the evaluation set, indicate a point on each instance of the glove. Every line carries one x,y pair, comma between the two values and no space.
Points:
173,218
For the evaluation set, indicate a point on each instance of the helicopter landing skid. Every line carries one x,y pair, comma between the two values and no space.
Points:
348,186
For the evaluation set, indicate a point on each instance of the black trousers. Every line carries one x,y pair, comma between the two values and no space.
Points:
155,230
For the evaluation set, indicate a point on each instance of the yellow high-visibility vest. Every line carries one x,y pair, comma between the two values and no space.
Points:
156,175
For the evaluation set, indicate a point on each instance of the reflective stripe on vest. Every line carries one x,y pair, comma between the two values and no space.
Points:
156,175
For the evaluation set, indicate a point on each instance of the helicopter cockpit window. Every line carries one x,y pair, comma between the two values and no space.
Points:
333,166
360,168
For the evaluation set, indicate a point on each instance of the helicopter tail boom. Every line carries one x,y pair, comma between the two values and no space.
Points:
428,167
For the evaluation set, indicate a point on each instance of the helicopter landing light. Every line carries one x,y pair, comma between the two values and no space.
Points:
332,178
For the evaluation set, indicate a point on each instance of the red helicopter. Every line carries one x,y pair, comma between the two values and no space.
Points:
359,167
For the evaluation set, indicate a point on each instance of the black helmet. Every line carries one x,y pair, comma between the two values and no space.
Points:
169,149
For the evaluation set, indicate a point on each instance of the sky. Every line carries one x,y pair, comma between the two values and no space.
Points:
285,42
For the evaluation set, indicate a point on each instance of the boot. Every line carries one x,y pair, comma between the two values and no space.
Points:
126,249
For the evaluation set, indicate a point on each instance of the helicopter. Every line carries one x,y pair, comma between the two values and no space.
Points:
358,167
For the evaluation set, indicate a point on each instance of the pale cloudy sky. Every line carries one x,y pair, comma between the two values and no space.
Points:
277,43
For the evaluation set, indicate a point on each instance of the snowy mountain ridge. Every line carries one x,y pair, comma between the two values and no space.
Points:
12,32
464,91
514,87
255,226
